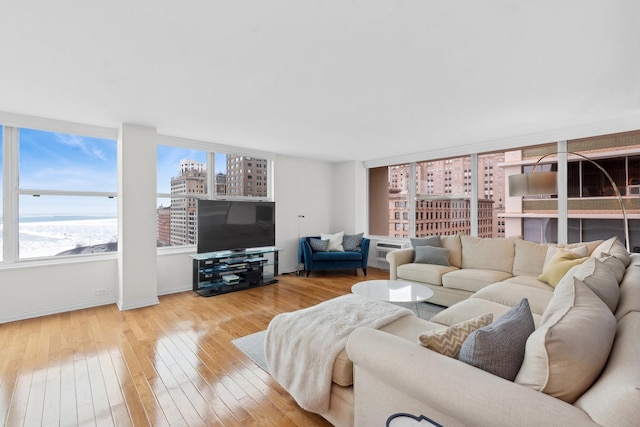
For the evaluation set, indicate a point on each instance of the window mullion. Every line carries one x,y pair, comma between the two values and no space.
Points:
10,153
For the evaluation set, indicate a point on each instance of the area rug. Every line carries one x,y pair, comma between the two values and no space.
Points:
253,345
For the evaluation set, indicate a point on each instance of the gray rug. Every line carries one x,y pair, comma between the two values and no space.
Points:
253,345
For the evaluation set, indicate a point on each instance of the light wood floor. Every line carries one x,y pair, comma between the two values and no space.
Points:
172,364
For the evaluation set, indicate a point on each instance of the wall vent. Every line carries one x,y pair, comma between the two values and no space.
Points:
383,248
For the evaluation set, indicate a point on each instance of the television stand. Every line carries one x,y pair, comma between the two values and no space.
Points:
221,272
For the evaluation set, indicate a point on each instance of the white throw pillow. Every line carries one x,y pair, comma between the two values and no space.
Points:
335,241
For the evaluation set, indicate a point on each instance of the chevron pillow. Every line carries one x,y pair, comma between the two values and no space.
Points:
448,341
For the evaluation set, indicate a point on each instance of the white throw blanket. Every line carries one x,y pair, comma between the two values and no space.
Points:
301,347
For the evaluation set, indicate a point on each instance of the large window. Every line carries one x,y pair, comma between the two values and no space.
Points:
67,190
445,195
443,190
1,198
593,208
186,175
389,200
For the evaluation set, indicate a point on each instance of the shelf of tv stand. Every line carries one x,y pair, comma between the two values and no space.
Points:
249,265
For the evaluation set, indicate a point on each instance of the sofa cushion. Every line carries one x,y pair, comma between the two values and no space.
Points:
426,241
318,245
630,289
614,247
599,279
488,253
559,265
472,279
335,241
591,246
565,355
432,255
448,341
351,242
527,280
454,245
499,348
615,265
613,399
407,327
529,257
471,308
424,273
510,294
336,256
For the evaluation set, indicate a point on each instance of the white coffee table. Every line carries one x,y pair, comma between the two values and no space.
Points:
392,290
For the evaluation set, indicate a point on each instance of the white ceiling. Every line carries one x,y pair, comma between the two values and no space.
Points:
327,79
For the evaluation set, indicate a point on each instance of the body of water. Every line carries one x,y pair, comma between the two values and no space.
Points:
45,236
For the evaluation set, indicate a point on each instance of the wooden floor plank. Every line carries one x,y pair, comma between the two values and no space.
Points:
172,364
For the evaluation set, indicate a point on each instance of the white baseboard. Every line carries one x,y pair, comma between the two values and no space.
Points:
55,310
138,304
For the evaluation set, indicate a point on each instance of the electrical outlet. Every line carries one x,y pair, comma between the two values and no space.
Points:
101,291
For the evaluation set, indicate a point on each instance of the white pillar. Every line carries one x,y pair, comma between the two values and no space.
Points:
137,228
563,213
474,194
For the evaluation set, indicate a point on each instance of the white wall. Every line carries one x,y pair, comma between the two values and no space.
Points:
349,197
30,290
302,187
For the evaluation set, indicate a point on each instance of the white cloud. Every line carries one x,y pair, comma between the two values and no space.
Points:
76,141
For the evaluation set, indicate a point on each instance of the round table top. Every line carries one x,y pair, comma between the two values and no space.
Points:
392,290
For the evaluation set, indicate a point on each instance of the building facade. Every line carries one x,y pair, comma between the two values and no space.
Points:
246,176
183,211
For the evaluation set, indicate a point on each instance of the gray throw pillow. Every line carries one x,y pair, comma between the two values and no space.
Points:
499,347
351,242
431,255
426,241
318,245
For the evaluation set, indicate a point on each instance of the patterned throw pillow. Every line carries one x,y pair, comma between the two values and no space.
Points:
448,341
318,245
499,347
351,242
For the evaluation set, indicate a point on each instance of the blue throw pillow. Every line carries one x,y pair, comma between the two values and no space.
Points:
351,242
426,241
499,348
318,245
431,255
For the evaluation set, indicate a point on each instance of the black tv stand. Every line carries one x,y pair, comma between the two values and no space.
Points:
220,272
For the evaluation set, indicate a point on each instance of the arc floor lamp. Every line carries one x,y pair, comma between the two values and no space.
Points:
546,183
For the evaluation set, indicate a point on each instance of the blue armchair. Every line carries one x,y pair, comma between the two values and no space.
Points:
333,260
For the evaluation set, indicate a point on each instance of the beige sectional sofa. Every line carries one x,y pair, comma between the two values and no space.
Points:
385,372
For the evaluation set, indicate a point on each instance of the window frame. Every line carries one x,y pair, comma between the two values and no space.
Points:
11,126
211,149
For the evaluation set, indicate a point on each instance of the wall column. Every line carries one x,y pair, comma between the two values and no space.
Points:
137,253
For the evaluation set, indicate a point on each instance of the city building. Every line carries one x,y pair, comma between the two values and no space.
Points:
443,191
164,225
246,176
192,180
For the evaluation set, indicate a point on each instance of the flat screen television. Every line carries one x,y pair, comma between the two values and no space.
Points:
235,225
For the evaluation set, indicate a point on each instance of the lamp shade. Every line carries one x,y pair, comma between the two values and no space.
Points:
533,184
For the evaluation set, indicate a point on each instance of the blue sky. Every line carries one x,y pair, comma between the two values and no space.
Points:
58,161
